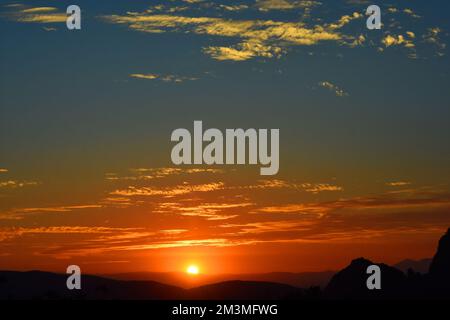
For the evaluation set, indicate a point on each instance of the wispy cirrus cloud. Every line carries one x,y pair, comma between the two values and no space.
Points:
60,208
22,213
433,37
163,78
333,88
17,184
411,13
210,211
27,14
258,38
234,7
381,202
169,191
398,183
89,235
285,184
278,226
267,5
158,173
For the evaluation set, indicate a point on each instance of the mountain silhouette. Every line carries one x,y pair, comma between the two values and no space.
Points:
422,266
245,290
40,285
301,280
350,283
438,278
47,285
440,265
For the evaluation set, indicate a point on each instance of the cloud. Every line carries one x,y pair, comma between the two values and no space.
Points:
60,208
320,187
26,14
39,10
176,244
398,183
267,5
193,1
395,40
2,170
164,78
237,7
21,213
106,233
411,13
284,184
392,10
344,20
117,202
317,210
244,51
271,39
173,231
266,227
158,173
333,88
147,76
168,191
382,202
432,36
210,211
49,29
257,38
17,184
358,2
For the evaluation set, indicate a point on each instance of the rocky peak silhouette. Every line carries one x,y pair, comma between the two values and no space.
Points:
350,282
440,266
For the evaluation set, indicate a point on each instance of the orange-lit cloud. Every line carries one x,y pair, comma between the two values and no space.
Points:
259,38
398,183
17,184
168,191
157,173
210,211
27,14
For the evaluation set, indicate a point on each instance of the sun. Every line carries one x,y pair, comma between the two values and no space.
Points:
192,270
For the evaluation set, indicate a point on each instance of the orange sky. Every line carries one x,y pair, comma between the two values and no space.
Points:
225,222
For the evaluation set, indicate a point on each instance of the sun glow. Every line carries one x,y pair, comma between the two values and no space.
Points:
192,270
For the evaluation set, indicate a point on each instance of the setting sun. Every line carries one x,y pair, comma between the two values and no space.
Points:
192,269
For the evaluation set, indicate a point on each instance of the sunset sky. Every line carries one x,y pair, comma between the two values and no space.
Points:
86,117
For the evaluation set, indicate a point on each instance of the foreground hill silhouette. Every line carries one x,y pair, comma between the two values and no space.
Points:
301,280
45,285
349,283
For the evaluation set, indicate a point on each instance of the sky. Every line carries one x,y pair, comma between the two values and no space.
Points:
86,116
